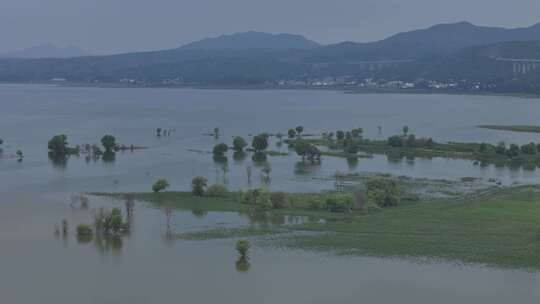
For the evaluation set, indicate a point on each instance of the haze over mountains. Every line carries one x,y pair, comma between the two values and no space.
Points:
47,50
252,40
439,52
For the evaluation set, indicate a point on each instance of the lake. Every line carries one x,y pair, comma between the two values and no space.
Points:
148,267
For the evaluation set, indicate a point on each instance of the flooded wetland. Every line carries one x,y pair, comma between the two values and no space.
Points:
178,247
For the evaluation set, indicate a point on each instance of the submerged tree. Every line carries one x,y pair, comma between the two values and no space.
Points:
58,145
20,156
239,143
108,142
260,142
291,133
242,247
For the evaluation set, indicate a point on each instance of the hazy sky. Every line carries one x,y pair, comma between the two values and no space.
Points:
111,26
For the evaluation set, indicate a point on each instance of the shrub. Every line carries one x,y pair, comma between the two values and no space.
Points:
340,202
258,198
383,192
84,230
242,247
160,185
279,200
198,185
217,190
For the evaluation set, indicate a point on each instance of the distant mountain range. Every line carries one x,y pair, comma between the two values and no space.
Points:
446,51
252,40
46,51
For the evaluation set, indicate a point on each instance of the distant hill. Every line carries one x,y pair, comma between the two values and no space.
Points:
46,51
447,51
252,40
436,41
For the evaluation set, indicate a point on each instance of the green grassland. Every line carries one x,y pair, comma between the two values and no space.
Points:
498,229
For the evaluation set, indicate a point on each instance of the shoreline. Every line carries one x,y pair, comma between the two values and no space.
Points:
346,90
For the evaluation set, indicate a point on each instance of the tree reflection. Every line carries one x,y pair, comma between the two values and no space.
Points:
199,212
58,161
352,162
259,159
242,264
239,156
108,157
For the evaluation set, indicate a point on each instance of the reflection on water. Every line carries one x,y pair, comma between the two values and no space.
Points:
242,264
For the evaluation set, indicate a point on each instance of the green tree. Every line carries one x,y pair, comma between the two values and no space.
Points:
160,185
242,247
405,130
20,155
291,133
395,141
411,140
239,143
357,133
529,148
260,142
299,130
108,142
301,147
340,135
198,185
220,149
58,145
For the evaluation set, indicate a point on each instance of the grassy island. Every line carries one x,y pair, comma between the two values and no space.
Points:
498,228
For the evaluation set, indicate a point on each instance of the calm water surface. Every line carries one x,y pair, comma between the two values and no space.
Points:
148,267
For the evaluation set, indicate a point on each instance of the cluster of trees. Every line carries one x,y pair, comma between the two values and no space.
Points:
294,132
511,151
264,200
164,132
307,150
106,223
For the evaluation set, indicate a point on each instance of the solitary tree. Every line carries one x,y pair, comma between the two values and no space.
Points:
291,133
299,130
340,135
239,143
405,130
160,185
198,185
242,247
260,142
220,150
108,142
58,145
19,156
